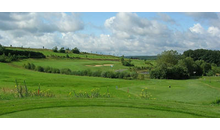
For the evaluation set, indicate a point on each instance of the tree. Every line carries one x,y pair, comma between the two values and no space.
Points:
62,50
122,59
206,67
76,50
2,49
209,56
55,49
170,58
126,63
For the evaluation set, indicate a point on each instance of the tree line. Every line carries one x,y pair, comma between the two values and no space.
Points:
172,65
62,50
209,56
7,55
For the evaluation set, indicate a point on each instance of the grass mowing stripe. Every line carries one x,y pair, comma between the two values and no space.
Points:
97,103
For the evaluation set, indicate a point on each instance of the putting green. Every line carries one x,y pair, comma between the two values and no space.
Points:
95,112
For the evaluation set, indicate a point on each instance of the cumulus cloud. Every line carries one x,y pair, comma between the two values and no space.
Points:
40,22
214,31
129,34
128,25
197,28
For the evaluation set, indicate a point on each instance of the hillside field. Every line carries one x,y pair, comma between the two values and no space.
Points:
121,98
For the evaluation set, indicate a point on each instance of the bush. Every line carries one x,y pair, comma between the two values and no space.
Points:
210,73
216,101
126,63
134,75
2,58
97,73
104,74
175,72
30,66
2,49
55,70
65,71
110,74
40,68
48,69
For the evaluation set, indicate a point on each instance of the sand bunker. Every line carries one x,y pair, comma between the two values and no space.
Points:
108,65
100,65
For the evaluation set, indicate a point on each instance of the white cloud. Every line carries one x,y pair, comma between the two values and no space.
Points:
197,28
129,34
40,22
127,25
214,31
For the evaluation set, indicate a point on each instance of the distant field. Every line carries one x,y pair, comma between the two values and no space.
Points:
185,98
75,64
143,57
48,52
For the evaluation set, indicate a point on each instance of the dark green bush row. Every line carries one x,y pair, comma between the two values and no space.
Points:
9,58
175,72
99,73
13,55
23,54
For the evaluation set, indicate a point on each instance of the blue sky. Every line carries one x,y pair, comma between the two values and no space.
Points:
119,33
98,19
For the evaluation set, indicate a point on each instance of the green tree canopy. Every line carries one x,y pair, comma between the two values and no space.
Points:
55,49
75,50
170,58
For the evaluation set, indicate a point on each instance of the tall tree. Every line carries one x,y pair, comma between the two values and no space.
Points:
75,50
170,58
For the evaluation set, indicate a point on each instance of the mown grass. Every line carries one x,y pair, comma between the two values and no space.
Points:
185,98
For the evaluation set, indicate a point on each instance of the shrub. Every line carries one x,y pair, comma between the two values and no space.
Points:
110,74
2,59
175,72
210,73
97,73
216,101
104,74
40,68
30,66
65,71
55,70
141,77
48,69
127,63
134,75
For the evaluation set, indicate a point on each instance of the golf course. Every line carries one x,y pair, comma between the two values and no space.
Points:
84,87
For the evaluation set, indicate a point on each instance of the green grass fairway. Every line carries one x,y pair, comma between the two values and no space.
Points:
94,112
185,98
75,64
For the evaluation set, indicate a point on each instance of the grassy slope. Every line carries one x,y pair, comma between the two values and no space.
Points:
185,98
